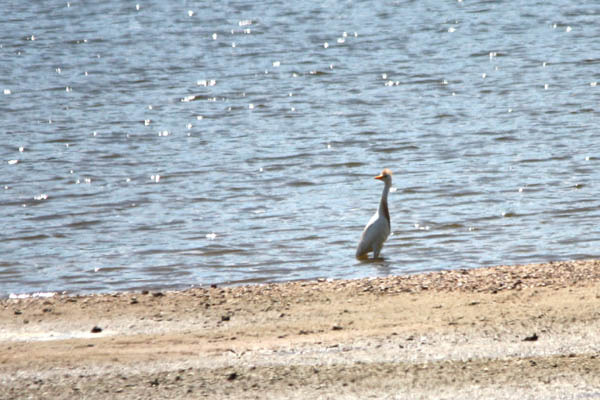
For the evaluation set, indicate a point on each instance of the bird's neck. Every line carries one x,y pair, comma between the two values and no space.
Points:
383,204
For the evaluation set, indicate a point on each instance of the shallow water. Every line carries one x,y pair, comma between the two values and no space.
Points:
169,144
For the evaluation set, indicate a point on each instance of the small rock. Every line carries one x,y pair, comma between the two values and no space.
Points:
18,312
232,376
336,328
134,300
531,338
145,292
225,317
158,294
154,382
96,329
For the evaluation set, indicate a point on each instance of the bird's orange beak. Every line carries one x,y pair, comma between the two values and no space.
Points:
379,177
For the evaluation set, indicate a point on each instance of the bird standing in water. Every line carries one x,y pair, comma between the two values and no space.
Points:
378,228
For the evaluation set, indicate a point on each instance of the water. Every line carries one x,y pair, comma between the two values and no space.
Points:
177,143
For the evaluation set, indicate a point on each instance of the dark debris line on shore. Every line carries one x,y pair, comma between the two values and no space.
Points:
482,280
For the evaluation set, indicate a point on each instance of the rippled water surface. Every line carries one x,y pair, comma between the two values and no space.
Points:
173,143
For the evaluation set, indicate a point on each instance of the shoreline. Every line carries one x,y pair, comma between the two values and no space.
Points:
503,272
505,331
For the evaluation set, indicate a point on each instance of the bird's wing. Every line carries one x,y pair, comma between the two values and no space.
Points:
369,235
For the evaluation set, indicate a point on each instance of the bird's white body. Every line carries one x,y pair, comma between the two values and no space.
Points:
378,228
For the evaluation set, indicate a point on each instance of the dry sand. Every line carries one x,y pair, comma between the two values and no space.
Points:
513,332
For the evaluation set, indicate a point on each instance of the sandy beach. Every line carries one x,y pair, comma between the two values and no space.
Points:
529,331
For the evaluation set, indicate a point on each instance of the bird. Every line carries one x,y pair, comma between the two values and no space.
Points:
378,228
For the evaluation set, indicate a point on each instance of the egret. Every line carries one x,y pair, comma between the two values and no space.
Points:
378,228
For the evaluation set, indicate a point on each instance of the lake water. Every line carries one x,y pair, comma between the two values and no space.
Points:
164,144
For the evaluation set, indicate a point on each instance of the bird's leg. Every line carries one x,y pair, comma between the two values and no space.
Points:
376,250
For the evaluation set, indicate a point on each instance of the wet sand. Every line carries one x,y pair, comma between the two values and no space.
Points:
511,332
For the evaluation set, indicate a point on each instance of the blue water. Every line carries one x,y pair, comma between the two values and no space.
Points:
163,144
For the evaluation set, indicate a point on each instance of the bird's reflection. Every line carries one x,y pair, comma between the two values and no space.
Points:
382,265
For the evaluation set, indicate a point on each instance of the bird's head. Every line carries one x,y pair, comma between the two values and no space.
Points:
385,176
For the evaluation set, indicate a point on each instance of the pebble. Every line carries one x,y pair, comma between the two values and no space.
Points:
531,338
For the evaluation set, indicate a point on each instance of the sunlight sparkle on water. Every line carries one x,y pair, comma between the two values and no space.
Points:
206,82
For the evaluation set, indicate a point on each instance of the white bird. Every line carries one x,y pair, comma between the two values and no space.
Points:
378,228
